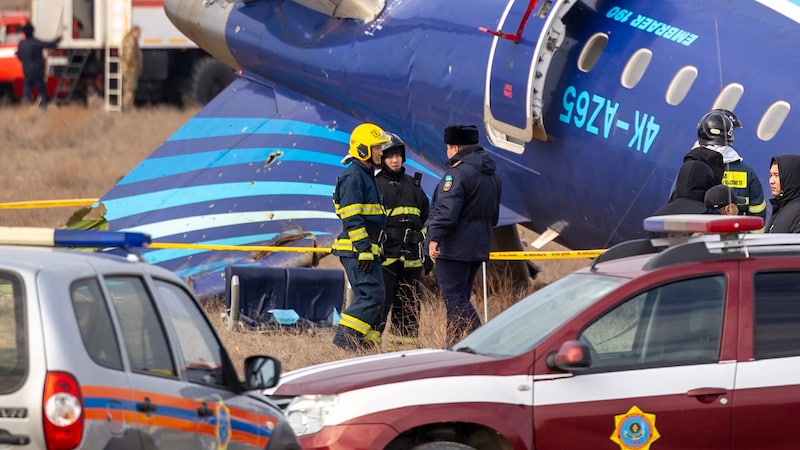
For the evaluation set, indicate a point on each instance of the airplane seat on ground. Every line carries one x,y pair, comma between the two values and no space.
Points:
312,293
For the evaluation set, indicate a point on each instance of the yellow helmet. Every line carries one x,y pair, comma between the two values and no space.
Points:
363,138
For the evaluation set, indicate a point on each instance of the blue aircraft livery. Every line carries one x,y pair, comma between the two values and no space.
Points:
587,106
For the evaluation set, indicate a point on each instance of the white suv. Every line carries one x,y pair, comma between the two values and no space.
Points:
104,351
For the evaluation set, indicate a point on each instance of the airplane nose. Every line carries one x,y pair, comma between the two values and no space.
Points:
204,22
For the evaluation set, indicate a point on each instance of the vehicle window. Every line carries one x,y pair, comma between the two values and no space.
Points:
202,352
13,346
94,322
142,331
776,321
523,325
677,323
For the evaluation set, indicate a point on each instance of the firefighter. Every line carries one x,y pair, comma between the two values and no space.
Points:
357,201
406,212
130,66
715,131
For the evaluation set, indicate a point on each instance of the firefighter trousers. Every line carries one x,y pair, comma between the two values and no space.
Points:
362,318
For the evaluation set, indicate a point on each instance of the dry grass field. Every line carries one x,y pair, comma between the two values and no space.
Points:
77,152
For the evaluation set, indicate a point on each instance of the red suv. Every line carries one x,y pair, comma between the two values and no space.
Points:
667,343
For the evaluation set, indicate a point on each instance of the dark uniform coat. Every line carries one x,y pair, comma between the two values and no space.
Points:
466,206
357,201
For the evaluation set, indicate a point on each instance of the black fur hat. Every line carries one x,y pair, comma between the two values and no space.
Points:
461,135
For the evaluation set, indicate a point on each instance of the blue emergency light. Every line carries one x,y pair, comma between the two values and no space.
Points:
703,223
51,237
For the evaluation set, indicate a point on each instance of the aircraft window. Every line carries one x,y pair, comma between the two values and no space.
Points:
680,85
772,120
636,67
591,52
729,97
366,10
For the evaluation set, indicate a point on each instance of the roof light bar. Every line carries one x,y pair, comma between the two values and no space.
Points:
51,237
703,223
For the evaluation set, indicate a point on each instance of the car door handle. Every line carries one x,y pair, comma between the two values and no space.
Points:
204,410
146,406
13,439
707,394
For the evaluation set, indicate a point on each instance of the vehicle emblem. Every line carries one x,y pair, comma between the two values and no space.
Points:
223,425
448,183
635,429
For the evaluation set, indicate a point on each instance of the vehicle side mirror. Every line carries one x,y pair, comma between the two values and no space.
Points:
261,372
573,355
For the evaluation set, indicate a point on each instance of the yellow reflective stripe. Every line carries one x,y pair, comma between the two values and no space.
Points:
412,264
376,249
389,261
354,323
374,336
372,209
366,257
349,210
402,340
358,234
407,210
756,209
343,244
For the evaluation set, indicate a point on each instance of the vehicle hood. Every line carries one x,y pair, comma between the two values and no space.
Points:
345,375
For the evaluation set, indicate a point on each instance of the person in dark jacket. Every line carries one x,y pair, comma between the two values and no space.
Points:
357,201
406,212
465,208
695,177
30,54
707,156
784,184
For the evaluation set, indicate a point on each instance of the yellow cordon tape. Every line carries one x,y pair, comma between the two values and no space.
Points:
48,203
517,256
243,248
501,256
504,256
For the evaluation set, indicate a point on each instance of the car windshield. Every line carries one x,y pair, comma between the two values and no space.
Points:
523,325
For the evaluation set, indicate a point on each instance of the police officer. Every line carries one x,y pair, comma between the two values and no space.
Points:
407,210
715,131
357,201
465,208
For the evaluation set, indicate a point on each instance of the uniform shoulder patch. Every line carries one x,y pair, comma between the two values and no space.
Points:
448,183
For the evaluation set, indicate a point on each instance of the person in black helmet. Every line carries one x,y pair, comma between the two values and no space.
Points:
406,212
715,131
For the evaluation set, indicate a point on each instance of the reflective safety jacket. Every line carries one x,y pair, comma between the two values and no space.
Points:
407,210
745,183
357,201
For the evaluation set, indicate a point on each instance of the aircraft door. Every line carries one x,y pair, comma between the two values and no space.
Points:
517,69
